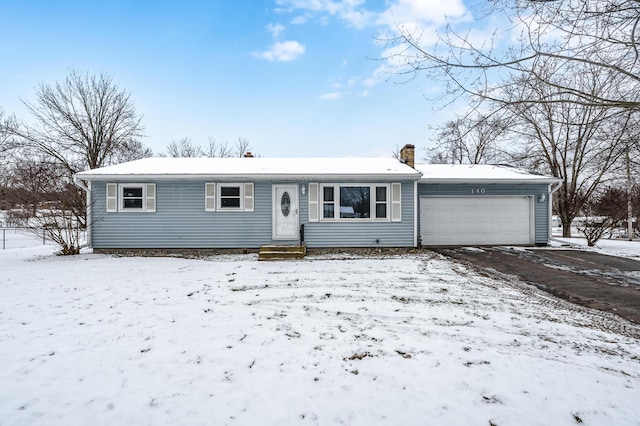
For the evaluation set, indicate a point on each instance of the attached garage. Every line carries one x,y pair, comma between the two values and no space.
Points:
453,221
483,205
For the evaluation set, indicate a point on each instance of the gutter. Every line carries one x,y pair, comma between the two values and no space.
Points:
87,188
473,181
79,183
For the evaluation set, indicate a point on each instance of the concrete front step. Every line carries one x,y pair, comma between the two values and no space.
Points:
274,252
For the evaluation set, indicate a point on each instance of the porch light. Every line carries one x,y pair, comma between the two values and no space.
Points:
303,189
542,198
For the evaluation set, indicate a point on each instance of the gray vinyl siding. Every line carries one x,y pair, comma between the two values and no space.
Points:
541,210
180,221
324,234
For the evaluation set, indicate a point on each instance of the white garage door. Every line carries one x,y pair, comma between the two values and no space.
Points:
475,221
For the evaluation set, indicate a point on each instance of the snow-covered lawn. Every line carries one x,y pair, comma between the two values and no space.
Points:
412,340
613,247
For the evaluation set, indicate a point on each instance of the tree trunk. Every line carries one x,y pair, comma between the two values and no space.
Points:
566,228
565,211
629,193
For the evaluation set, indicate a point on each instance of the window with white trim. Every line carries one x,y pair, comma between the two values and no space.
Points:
131,197
328,202
355,202
381,202
235,197
230,196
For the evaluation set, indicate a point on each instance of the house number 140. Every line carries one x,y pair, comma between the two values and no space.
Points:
477,190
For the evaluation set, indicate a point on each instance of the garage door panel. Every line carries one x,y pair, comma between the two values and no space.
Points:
475,221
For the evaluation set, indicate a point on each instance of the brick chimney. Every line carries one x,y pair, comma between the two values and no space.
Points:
407,155
248,154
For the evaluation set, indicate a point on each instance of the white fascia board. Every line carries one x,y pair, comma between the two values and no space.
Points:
253,177
472,181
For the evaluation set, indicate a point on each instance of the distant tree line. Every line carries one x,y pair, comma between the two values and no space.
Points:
185,147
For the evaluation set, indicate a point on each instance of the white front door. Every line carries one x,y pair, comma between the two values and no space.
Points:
285,212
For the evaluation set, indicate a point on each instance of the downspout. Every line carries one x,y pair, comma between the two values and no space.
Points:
552,188
416,212
87,188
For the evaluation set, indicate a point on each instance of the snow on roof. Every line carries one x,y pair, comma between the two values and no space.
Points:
455,173
260,168
309,168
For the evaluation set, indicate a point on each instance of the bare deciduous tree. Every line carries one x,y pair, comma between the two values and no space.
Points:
577,143
242,147
33,181
6,141
6,146
217,149
469,141
183,148
603,213
132,150
42,199
600,34
85,121
630,166
56,223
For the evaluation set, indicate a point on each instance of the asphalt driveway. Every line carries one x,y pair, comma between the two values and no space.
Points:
589,279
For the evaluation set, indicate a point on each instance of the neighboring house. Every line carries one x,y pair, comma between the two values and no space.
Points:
177,203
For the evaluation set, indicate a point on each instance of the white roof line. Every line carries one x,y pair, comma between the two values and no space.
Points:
479,173
255,168
253,176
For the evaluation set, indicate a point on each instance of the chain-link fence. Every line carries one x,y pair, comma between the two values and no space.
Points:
19,237
13,237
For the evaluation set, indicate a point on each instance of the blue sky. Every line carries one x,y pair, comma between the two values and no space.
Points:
295,77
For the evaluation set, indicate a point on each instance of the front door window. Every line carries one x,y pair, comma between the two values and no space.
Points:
285,204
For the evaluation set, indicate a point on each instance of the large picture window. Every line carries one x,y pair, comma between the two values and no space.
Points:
355,202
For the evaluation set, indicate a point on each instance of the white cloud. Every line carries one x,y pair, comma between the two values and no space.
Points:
351,11
379,75
408,13
419,13
331,96
299,20
422,18
282,52
275,30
